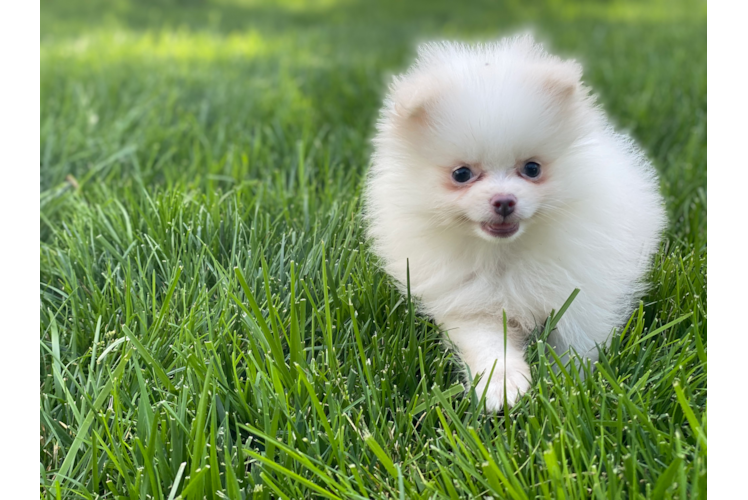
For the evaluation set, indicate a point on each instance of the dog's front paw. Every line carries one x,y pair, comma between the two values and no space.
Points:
517,377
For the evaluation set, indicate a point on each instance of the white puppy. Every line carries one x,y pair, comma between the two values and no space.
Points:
502,185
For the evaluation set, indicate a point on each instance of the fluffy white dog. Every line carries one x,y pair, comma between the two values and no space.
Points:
502,185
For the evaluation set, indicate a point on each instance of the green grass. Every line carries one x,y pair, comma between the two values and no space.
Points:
212,325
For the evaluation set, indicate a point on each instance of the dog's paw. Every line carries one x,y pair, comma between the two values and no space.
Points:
517,383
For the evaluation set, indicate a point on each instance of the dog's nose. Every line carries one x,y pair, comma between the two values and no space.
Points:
503,204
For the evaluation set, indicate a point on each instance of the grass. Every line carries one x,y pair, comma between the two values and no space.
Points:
211,324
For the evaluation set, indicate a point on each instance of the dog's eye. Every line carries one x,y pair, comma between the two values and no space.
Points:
462,174
531,169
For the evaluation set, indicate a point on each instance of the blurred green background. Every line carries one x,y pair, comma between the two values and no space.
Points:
212,325
168,71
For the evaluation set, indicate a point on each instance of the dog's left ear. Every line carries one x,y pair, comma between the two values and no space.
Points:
562,81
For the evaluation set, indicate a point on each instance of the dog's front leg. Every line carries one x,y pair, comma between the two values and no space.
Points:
481,345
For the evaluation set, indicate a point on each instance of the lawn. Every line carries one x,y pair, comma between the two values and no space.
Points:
212,324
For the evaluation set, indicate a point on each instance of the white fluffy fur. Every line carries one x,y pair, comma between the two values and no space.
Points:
592,221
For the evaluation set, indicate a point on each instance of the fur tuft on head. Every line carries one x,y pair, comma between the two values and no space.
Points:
443,65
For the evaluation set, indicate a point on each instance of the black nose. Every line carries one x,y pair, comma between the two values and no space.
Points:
503,204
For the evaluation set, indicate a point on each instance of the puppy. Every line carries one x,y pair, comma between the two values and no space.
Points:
502,187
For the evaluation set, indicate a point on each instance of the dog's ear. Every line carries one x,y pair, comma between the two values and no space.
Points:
412,95
562,80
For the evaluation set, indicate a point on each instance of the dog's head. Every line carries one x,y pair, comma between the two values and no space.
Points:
487,134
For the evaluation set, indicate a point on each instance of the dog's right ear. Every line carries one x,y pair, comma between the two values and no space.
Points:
412,95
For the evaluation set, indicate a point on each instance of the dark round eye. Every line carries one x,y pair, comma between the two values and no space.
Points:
462,174
531,169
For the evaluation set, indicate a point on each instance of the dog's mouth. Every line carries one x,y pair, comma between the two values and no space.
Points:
500,229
